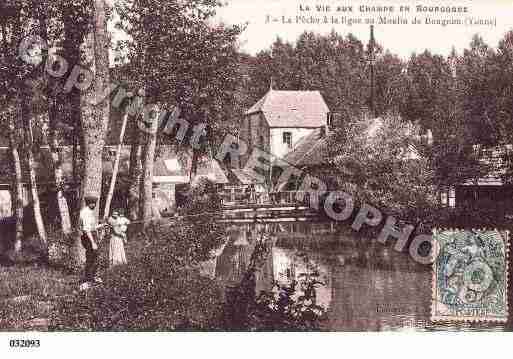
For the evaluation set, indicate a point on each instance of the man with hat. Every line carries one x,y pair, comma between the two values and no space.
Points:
89,237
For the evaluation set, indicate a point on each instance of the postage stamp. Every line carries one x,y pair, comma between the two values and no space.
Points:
470,276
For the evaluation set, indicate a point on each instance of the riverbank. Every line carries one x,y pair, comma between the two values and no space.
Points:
46,299
161,288
28,296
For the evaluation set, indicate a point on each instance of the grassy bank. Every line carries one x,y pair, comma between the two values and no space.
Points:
159,289
143,295
28,296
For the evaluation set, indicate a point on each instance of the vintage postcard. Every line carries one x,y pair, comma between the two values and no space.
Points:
255,166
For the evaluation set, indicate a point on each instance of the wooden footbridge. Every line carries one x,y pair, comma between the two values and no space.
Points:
287,206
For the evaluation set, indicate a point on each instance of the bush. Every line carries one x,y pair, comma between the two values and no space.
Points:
473,215
160,288
155,291
133,299
287,307
28,292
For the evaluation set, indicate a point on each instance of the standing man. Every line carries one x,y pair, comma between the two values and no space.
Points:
89,237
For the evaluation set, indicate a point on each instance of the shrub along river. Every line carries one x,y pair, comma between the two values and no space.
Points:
367,285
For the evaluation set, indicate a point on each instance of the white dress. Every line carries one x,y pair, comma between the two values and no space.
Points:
117,254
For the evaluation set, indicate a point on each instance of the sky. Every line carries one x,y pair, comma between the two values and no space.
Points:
399,39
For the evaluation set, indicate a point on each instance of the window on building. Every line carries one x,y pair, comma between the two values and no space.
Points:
443,198
287,138
452,197
448,197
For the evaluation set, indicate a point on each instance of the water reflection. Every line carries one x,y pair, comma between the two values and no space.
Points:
368,286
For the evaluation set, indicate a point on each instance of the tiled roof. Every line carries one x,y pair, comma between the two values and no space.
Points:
163,167
172,166
498,160
292,108
311,150
244,177
217,171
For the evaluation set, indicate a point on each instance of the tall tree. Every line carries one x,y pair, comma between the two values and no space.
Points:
17,185
134,173
335,65
13,72
27,115
95,118
51,91
379,162
57,160
197,72
148,158
479,101
75,17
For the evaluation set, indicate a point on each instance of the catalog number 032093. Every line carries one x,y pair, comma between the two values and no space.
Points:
24,343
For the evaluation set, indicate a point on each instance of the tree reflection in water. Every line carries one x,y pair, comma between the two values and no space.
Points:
367,286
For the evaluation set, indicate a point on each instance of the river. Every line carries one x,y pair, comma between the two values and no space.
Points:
367,285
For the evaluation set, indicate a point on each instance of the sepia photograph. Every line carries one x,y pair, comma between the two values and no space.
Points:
254,166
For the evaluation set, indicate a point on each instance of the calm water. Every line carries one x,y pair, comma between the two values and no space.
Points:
368,286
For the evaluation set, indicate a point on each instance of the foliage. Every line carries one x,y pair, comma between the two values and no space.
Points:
335,65
199,227
201,77
428,91
291,306
485,214
465,99
28,292
286,307
135,298
380,165
159,289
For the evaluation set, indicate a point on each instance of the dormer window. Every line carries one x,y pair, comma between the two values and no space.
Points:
287,139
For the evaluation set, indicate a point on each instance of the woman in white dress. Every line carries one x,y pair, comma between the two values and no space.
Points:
119,225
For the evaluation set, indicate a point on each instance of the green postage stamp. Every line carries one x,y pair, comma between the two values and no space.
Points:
470,276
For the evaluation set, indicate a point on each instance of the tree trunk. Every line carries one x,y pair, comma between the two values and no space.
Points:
95,118
76,154
62,203
134,175
73,37
27,115
53,110
148,158
194,165
17,185
115,168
